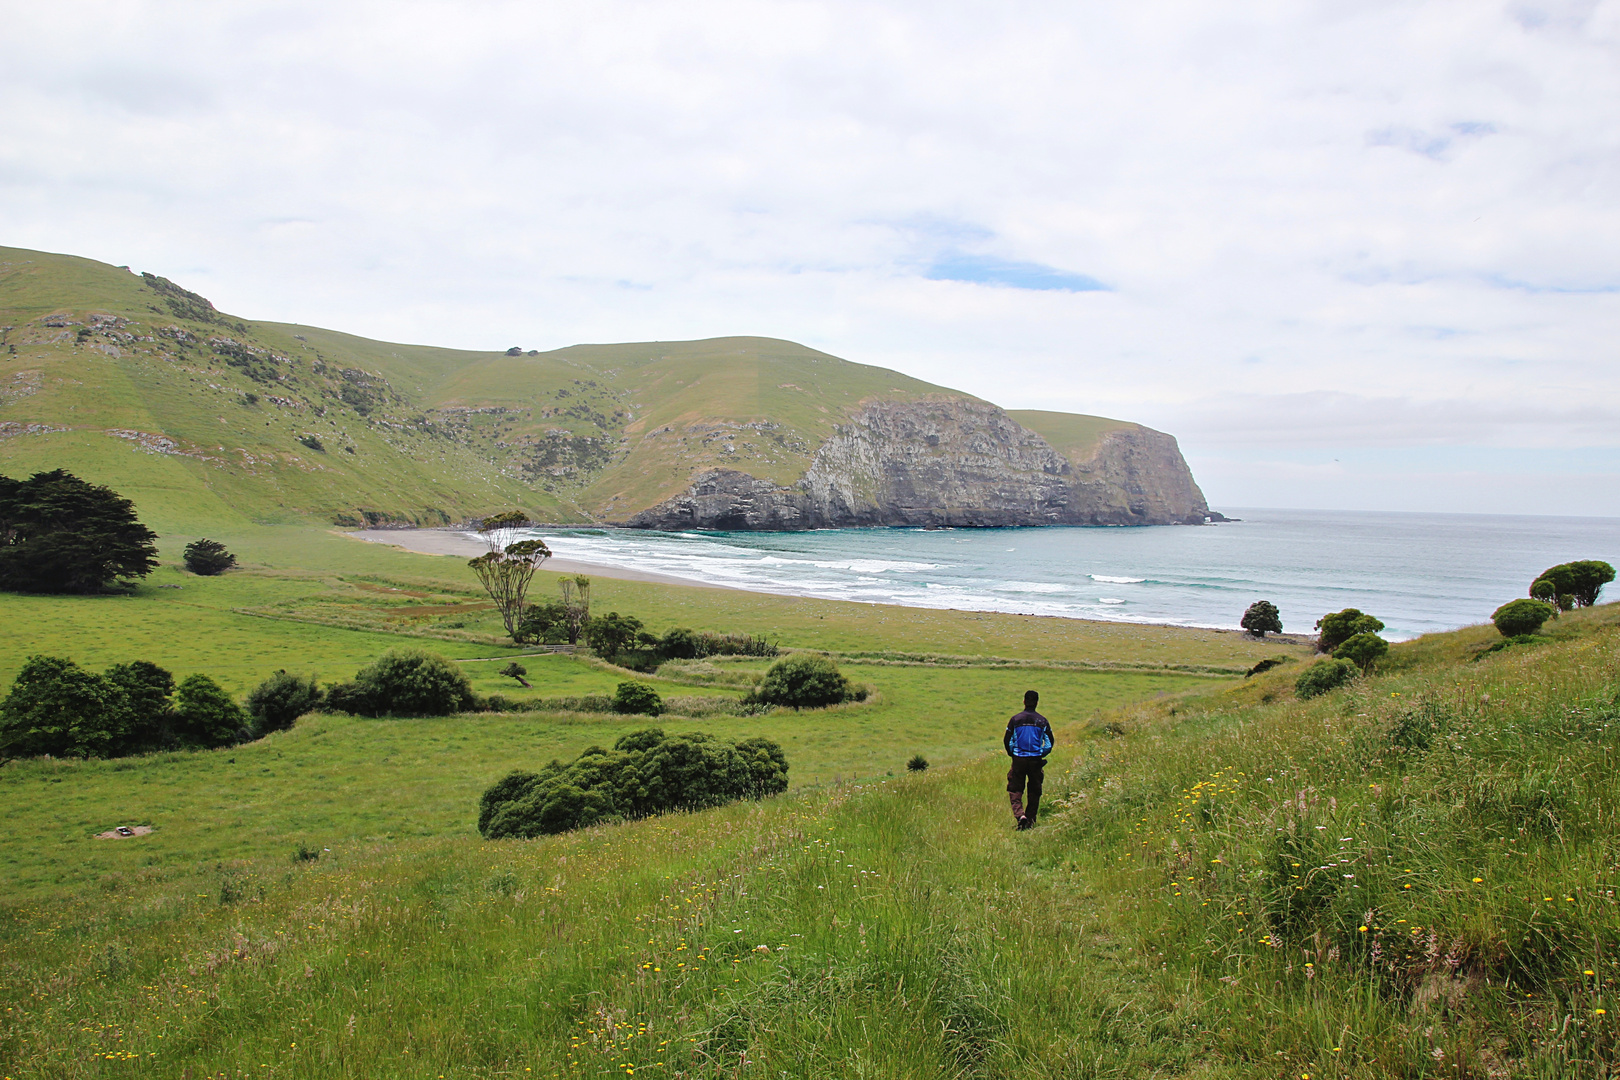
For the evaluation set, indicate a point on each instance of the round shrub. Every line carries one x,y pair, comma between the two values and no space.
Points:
804,681
1518,617
637,697
282,698
207,557
205,715
1322,677
1362,650
410,682
918,763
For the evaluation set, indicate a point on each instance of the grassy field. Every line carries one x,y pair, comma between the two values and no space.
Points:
1412,877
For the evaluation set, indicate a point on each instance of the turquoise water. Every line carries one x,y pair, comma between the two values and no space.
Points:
1417,572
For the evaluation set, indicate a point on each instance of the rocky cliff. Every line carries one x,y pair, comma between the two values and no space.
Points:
949,461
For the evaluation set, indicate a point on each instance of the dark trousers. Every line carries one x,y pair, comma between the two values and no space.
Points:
1027,772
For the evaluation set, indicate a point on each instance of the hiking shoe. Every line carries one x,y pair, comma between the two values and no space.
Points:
1024,823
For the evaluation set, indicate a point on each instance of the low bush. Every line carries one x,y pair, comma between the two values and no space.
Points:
1363,650
281,699
207,557
1321,677
805,681
637,697
683,644
405,682
1518,617
645,773
918,763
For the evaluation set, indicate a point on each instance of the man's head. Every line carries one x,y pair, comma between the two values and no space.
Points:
1031,699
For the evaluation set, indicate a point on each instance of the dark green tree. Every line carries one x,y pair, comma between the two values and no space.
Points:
1363,650
1519,617
515,670
59,534
1572,584
637,697
1341,626
607,634
205,716
1262,616
208,557
804,681
148,689
280,700
56,707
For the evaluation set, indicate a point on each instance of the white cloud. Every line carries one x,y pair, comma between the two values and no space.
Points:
1345,225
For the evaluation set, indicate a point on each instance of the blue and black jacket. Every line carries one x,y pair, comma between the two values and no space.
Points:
1028,736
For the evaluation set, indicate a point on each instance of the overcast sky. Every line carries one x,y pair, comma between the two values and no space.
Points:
1354,255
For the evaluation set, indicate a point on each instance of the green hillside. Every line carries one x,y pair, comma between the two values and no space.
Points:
203,417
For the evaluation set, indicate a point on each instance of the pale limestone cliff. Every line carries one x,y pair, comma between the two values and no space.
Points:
948,462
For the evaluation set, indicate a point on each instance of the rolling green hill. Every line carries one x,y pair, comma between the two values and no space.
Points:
131,380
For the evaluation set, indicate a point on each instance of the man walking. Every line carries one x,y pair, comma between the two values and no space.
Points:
1028,741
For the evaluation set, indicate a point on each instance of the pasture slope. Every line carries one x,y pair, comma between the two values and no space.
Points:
1410,877
209,419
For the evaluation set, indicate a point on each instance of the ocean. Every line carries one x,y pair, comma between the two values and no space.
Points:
1416,572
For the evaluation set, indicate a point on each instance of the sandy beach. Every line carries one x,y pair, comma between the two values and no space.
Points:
451,542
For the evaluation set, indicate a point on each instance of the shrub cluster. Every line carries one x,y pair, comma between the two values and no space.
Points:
1572,584
56,707
1341,626
683,644
805,681
405,682
645,773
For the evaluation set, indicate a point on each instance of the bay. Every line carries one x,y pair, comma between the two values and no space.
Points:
1417,572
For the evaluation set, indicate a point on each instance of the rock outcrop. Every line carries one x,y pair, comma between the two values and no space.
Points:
954,462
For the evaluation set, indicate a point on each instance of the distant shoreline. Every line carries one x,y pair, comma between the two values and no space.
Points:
450,541
458,543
